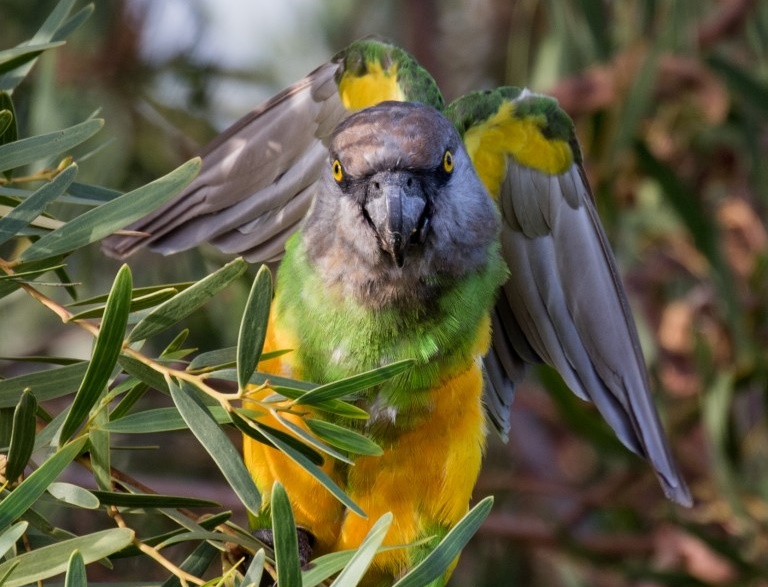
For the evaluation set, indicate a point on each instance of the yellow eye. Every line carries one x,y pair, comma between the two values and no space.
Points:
338,172
448,161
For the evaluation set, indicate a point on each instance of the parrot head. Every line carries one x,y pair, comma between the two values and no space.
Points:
399,211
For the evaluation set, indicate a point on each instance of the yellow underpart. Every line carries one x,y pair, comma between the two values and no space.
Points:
505,134
425,477
377,85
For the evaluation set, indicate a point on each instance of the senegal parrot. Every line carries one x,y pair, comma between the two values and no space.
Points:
464,237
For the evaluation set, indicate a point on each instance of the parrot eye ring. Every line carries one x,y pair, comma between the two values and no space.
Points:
448,161
338,172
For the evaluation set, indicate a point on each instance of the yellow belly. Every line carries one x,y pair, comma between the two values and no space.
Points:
425,476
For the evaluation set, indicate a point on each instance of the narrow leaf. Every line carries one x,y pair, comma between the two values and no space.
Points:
256,431
285,539
196,563
308,439
107,348
22,436
52,560
48,384
252,576
32,149
343,438
325,567
182,305
212,437
143,373
159,420
253,326
73,495
137,304
437,562
97,223
10,536
137,293
29,490
354,384
361,560
11,59
35,204
147,500
6,121
315,471
76,576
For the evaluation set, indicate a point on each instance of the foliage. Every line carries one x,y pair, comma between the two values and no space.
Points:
669,97
41,439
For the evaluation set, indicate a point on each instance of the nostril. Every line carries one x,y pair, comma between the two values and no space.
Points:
376,186
409,182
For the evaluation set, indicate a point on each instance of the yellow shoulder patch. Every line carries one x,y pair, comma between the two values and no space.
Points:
377,85
504,134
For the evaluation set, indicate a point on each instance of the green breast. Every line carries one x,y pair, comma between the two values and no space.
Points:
340,337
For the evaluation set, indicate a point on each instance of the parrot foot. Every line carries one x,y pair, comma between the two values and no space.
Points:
305,538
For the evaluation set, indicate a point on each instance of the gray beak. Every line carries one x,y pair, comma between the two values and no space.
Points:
396,207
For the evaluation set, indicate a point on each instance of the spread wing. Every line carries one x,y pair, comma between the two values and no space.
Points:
564,303
258,177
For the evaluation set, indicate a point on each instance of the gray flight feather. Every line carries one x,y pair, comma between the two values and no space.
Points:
259,173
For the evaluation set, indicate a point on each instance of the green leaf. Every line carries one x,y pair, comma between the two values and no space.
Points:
147,500
6,126
437,562
294,389
214,359
138,292
315,471
255,570
100,450
285,539
253,326
343,438
11,59
256,431
22,436
35,204
106,350
10,133
76,576
22,498
361,560
307,439
102,221
92,195
137,304
74,22
143,372
29,150
10,536
212,437
48,384
159,420
325,566
73,495
9,285
354,384
196,563
52,30
52,560
182,305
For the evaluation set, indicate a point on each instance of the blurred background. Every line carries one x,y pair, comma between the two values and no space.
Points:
670,99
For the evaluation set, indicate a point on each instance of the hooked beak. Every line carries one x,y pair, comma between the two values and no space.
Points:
397,209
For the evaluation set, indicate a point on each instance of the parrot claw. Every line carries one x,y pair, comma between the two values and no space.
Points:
305,538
